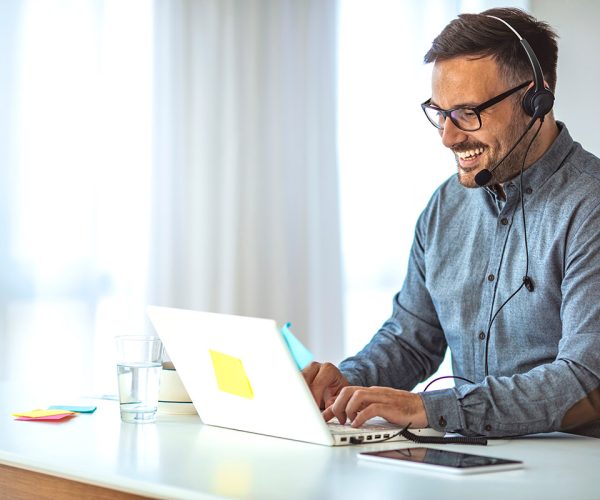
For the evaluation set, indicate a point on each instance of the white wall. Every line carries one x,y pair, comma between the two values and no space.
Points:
577,103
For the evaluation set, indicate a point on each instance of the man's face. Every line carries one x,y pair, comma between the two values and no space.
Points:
464,81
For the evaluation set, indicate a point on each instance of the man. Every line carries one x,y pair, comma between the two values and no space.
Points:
525,351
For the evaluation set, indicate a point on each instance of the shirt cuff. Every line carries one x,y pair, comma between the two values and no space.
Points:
443,410
351,376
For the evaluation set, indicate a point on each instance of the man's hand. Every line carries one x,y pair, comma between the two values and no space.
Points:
325,382
359,404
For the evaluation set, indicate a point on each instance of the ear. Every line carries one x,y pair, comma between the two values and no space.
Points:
531,85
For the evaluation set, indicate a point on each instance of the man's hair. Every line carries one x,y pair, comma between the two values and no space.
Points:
480,36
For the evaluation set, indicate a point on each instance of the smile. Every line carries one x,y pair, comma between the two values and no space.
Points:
469,154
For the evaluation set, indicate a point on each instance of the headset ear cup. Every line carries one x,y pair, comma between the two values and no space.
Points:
527,102
538,103
542,103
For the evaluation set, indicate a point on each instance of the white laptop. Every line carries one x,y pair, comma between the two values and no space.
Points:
240,375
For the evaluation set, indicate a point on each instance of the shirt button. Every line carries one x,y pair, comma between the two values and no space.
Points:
528,190
442,422
504,221
491,277
488,427
481,336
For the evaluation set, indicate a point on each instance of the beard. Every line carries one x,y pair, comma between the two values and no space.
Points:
510,167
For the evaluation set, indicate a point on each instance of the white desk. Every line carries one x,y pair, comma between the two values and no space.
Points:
178,457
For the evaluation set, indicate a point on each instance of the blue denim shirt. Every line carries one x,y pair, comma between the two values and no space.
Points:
467,258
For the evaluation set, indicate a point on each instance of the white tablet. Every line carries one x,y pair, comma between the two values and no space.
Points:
433,460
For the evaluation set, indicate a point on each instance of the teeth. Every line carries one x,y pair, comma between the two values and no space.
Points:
471,152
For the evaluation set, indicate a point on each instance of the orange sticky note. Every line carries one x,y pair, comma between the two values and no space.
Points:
230,374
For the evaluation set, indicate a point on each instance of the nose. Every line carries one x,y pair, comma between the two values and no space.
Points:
451,134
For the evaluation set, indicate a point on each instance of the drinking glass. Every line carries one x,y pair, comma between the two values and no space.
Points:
139,363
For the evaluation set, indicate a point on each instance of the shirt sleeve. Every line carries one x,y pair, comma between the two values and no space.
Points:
410,345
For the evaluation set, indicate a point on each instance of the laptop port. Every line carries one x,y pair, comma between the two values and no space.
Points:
386,435
369,438
343,440
377,436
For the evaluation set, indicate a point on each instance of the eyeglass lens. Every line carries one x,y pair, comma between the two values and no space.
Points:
464,118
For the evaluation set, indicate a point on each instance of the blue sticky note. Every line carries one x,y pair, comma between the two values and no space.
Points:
301,354
76,409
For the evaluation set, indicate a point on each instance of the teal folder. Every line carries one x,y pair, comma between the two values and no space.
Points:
301,354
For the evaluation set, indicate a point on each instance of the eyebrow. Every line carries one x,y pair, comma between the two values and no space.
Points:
461,105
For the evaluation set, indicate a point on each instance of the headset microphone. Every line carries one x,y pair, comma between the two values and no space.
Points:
537,101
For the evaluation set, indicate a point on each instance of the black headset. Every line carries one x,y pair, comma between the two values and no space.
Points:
537,101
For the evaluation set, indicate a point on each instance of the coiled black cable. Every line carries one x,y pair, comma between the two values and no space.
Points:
405,433
415,438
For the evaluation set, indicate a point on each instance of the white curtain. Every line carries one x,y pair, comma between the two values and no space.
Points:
75,159
193,167
245,180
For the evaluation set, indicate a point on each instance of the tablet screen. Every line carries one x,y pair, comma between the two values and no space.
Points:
441,457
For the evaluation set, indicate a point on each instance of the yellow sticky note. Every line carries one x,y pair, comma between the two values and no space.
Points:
231,376
42,413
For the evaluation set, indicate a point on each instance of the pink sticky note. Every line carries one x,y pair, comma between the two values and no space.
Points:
43,414
58,416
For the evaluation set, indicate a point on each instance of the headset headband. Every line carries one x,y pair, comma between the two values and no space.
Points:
537,102
538,75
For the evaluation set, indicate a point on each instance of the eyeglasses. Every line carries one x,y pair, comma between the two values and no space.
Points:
467,118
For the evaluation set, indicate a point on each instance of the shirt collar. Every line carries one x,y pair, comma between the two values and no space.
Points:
540,171
552,160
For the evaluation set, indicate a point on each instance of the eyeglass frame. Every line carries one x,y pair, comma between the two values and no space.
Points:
447,113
